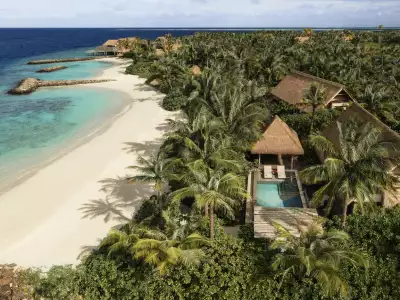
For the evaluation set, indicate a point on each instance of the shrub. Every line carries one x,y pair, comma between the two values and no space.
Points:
141,68
174,101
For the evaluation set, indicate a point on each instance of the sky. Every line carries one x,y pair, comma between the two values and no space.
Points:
199,13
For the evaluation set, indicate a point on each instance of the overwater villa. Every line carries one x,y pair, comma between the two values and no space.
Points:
355,111
276,194
291,90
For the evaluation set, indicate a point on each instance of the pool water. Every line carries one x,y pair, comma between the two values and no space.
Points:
269,195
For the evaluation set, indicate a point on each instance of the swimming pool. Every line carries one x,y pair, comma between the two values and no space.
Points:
270,194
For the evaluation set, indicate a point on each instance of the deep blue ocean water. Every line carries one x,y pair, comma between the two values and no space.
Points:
34,126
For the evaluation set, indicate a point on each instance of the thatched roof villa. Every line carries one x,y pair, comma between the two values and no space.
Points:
109,47
279,139
277,200
291,90
355,111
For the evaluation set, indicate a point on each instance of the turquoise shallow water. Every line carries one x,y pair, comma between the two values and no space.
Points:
35,127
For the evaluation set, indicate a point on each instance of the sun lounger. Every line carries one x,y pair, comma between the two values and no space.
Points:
268,172
281,172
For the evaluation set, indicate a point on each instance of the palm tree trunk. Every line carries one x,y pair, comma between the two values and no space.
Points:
344,213
312,120
211,222
206,210
160,202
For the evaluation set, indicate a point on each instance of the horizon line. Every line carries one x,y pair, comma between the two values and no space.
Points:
189,28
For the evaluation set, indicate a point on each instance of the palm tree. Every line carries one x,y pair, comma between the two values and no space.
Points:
212,190
205,143
119,242
273,66
377,101
169,72
380,27
313,97
157,170
308,32
155,247
239,109
356,170
201,88
164,250
317,254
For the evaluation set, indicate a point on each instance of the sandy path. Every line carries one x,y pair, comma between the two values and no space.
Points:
40,220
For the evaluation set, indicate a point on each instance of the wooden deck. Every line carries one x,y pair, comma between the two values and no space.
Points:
263,218
294,220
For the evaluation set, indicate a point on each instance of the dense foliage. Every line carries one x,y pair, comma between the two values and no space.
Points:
369,69
238,268
176,247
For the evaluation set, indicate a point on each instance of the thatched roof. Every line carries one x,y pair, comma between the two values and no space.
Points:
159,52
291,88
355,111
111,43
279,138
176,46
196,70
302,39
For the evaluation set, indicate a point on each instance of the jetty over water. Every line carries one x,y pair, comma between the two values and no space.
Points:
29,85
57,60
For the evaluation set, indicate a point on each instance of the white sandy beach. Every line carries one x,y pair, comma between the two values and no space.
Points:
41,221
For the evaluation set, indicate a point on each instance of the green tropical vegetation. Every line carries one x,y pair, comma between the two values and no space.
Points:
314,97
176,247
355,172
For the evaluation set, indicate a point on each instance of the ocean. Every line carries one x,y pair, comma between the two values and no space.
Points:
35,128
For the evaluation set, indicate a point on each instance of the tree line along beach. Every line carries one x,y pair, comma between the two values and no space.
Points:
227,149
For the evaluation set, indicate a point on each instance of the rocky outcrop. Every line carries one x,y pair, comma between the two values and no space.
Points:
45,83
26,86
51,69
29,85
12,285
51,61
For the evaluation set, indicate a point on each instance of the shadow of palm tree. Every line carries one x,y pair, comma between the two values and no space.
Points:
164,127
146,88
106,208
145,149
120,202
87,250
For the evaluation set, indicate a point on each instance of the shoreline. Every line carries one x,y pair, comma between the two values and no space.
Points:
83,135
41,218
